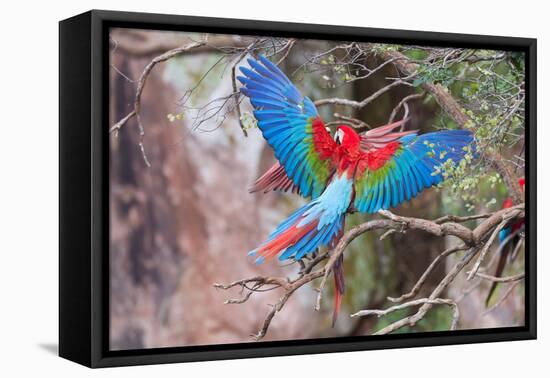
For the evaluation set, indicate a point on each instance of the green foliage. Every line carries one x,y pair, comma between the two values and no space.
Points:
173,117
434,74
489,86
416,54
249,121
467,187
380,48
336,72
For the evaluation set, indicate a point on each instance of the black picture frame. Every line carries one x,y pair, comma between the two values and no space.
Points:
83,196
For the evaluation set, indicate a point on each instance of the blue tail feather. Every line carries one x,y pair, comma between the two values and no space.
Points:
325,214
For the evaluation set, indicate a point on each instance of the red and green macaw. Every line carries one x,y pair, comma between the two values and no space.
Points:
508,239
377,170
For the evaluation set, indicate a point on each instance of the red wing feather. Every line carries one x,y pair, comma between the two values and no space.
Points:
286,239
322,140
379,137
274,179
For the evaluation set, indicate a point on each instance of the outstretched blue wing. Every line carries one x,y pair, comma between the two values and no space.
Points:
414,164
291,125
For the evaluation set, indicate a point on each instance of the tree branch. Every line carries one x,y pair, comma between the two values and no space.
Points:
469,237
416,302
516,277
413,319
141,85
448,103
404,101
234,84
475,241
418,285
364,102
472,240
143,79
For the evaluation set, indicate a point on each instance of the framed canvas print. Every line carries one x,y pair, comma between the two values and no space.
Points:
234,188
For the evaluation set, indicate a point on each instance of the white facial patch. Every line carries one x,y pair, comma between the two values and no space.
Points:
339,136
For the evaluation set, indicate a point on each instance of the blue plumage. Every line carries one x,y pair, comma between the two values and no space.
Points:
285,119
378,170
504,233
327,213
413,168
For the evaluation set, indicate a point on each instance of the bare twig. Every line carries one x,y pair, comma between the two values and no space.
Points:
234,84
402,103
449,104
116,127
448,228
288,286
472,239
516,277
357,124
484,229
413,319
453,218
416,302
416,288
501,300
141,85
143,79
287,48
485,248
145,44
469,237
364,102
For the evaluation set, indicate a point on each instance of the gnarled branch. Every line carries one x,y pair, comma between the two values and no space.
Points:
472,240
140,85
449,104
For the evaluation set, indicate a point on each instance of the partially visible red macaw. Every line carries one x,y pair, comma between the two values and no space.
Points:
508,240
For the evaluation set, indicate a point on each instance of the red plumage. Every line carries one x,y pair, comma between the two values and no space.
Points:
274,179
350,153
377,158
508,248
322,141
286,239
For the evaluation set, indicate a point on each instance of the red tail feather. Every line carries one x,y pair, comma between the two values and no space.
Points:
339,287
337,305
338,272
286,239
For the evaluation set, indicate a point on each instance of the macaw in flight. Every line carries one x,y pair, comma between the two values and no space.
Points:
508,239
349,172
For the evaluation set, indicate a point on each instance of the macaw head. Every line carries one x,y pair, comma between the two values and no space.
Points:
347,137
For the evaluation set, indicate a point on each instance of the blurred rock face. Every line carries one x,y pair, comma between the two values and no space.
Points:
185,223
